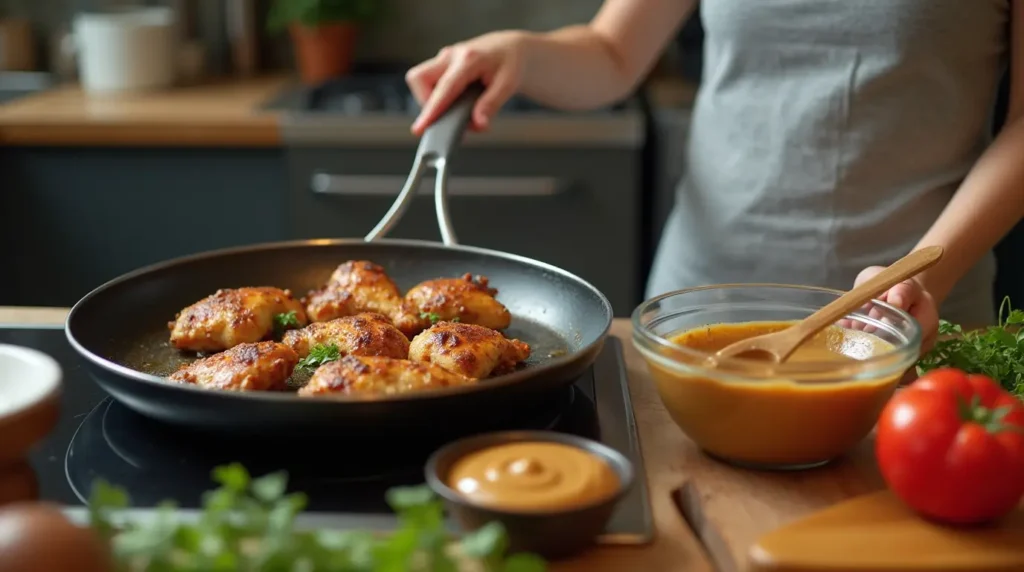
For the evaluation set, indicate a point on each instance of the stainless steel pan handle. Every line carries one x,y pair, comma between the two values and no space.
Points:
435,150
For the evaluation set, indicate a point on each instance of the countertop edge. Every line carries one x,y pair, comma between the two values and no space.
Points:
145,134
235,112
219,112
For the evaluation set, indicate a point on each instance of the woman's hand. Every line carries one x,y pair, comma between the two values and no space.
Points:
912,297
572,68
496,59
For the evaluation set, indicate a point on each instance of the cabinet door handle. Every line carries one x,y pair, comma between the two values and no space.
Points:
389,185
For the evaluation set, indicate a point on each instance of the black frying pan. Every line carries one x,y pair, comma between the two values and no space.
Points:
121,327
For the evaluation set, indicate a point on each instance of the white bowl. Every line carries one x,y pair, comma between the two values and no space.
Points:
27,377
30,387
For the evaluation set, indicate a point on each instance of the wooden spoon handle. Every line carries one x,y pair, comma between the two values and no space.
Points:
906,267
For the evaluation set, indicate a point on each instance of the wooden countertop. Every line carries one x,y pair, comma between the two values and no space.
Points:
218,113
214,114
726,509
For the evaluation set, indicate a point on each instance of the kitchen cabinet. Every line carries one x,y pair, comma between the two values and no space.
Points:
77,217
576,208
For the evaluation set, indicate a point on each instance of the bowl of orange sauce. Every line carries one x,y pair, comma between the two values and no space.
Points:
553,492
799,414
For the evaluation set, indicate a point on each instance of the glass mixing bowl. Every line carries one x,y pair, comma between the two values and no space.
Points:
798,414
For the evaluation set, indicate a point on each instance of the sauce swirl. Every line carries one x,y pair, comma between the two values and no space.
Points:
533,476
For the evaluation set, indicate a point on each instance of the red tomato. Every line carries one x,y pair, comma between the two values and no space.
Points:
951,445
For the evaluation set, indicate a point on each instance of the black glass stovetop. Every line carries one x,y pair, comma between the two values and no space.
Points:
344,477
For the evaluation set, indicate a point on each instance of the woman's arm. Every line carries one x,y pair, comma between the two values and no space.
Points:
990,201
582,67
578,67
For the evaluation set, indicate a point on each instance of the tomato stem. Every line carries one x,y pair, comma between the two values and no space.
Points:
989,418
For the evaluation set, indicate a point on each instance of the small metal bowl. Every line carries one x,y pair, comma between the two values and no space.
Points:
550,534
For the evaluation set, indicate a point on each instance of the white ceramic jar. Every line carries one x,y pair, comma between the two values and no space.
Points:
126,50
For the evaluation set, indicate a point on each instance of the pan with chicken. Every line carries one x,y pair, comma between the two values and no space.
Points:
121,328
352,335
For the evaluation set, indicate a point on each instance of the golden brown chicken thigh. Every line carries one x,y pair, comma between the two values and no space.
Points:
263,366
467,349
365,334
372,375
355,287
467,299
233,316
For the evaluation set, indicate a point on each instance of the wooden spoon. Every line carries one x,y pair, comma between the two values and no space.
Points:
778,346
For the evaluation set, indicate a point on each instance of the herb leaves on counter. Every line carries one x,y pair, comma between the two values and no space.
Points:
248,525
996,351
319,355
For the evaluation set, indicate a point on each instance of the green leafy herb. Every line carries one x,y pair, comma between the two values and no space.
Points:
247,524
524,562
105,499
997,351
286,321
319,355
435,318
317,12
486,542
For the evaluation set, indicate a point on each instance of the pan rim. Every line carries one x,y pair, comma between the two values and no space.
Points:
291,397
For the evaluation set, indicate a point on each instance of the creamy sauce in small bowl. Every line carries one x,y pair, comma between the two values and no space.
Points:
553,492
532,476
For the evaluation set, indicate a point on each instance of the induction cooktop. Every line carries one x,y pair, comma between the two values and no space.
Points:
344,477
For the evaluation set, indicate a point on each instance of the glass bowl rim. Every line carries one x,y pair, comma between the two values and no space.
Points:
882,361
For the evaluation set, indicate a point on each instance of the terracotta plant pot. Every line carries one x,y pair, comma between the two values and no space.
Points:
323,52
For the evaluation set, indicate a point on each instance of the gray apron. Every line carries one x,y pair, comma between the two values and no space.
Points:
828,136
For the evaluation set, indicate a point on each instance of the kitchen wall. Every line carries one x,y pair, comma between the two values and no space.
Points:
410,30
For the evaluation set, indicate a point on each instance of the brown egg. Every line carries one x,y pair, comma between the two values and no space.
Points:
37,537
17,483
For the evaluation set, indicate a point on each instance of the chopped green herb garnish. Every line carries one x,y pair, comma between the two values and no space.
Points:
319,355
996,351
286,321
249,524
435,318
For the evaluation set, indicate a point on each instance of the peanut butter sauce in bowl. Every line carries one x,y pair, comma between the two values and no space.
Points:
553,492
798,414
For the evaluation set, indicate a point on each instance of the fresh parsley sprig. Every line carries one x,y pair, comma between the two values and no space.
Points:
435,318
319,355
247,525
996,351
286,321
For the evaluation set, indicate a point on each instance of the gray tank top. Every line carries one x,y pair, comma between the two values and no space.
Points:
827,136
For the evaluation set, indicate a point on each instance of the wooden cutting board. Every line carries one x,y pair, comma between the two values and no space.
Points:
877,533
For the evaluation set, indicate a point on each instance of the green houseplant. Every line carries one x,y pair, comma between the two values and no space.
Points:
323,33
